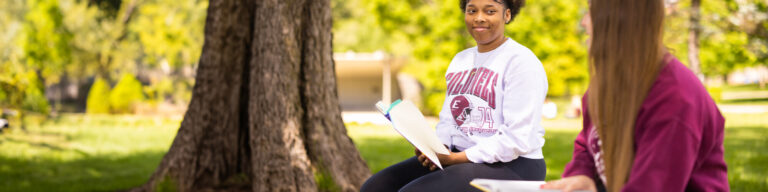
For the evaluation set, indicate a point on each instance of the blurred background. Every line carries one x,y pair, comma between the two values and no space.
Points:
93,91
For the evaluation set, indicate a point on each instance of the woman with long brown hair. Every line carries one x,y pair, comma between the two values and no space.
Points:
649,124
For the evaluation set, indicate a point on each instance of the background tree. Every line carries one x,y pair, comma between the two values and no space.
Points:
694,29
264,114
731,34
21,88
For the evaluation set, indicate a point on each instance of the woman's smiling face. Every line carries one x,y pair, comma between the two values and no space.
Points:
485,20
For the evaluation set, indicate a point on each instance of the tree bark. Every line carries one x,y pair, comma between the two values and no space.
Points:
264,114
694,29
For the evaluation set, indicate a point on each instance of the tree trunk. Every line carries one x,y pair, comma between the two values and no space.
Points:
694,29
264,114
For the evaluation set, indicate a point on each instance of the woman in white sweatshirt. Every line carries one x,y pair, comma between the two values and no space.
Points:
491,117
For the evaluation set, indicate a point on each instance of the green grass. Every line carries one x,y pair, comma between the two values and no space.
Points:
747,87
746,151
107,153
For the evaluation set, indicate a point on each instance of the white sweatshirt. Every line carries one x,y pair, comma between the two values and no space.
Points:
492,108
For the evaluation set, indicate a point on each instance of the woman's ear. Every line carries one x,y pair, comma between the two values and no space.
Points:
507,16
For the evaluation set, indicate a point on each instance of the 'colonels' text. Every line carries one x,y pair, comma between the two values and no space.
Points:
480,82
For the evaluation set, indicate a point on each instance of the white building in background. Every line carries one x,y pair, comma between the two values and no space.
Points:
749,75
366,78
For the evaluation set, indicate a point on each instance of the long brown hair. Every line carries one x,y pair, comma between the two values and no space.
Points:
625,57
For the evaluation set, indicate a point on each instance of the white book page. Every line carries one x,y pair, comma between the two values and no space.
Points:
495,185
411,124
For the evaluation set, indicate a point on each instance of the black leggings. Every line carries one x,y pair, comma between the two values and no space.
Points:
409,175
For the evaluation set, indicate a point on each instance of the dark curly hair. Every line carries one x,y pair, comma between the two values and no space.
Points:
513,6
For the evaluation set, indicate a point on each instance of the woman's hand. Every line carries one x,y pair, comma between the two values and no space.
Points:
445,160
431,165
568,184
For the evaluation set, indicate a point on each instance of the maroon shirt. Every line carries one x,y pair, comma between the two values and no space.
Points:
678,139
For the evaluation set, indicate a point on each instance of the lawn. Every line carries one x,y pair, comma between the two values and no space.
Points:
107,153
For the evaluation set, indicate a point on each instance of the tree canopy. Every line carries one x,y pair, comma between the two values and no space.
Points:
78,40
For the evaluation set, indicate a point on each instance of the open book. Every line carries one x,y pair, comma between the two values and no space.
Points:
494,185
411,124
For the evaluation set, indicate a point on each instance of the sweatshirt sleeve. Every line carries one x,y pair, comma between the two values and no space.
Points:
523,97
582,162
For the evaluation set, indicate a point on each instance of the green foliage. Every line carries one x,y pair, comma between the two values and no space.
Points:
727,44
79,39
126,95
21,89
550,28
12,85
731,36
44,39
170,31
34,94
98,98
11,22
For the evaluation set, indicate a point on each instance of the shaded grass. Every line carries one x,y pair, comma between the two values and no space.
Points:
93,173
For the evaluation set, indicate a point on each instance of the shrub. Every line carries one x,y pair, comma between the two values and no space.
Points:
126,95
98,98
